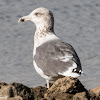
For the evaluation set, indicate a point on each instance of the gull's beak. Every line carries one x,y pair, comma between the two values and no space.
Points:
24,18
20,20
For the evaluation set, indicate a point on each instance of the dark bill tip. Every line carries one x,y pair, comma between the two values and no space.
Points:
21,20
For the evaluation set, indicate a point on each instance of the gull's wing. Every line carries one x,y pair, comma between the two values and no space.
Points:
55,57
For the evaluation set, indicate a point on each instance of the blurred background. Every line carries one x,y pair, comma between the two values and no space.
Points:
76,22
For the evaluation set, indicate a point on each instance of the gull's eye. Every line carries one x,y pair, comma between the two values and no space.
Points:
38,14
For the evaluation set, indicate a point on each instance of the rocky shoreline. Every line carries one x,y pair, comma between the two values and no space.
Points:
66,88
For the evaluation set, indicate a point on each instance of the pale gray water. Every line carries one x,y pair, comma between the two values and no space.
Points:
76,22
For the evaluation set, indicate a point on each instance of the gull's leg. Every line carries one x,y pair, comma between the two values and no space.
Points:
48,86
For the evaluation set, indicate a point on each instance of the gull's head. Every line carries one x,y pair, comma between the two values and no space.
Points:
42,17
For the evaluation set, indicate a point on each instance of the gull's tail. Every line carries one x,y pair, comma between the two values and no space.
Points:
83,74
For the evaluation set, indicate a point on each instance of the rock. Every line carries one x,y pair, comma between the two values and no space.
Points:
23,91
15,98
81,96
3,84
17,91
59,96
66,86
8,91
95,93
38,92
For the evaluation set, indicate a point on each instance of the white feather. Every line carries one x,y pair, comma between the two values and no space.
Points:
69,71
40,72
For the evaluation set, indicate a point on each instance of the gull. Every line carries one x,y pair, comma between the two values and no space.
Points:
52,58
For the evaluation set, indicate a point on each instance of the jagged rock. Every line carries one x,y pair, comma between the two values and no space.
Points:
80,96
17,91
23,91
59,96
15,98
38,92
3,84
8,91
95,93
66,88
67,85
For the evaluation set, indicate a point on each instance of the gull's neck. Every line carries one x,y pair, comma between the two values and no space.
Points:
42,36
44,27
